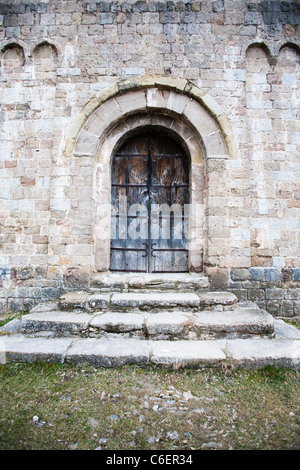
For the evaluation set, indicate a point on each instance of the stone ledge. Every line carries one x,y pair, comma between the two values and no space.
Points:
108,353
18,348
62,323
147,300
83,301
258,354
243,322
187,353
239,353
161,282
115,322
154,300
220,298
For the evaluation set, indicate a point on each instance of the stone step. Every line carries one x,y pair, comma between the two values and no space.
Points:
245,321
132,282
86,301
154,301
281,351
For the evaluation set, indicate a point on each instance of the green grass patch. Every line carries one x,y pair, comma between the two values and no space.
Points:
68,407
9,316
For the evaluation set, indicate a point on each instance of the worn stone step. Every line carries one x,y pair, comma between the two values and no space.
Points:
59,323
244,321
131,282
84,301
154,300
240,323
147,300
225,300
102,352
183,301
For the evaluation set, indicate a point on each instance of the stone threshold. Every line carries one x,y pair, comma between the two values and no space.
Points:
108,281
256,353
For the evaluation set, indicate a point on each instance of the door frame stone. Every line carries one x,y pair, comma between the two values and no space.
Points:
191,116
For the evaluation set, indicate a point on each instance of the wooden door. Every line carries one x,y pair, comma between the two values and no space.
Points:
150,192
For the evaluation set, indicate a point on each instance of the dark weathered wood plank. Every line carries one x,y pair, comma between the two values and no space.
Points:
150,175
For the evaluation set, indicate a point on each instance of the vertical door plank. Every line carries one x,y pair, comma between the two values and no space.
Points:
150,171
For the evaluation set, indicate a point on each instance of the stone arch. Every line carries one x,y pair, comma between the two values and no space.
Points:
52,46
257,50
260,51
175,97
192,116
44,57
289,54
13,55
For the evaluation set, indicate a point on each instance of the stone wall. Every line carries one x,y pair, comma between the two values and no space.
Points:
57,57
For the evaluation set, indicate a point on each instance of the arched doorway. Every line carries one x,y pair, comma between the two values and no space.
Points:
203,130
150,202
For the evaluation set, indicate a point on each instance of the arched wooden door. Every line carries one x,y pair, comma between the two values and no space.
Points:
150,197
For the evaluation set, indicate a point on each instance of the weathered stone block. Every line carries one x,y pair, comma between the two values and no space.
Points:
5,273
76,278
148,301
73,300
165,323
22,349
239,274
295,274
98,302
59,322
218,277
169,17
252,18
115,322
257,274
276,293
256,294
273,274
108,353
258,354
215,299
186,353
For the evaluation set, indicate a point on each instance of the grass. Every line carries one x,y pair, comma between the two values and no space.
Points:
62,407
58,407
9,316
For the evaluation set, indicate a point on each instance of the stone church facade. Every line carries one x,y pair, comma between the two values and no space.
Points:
80,78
